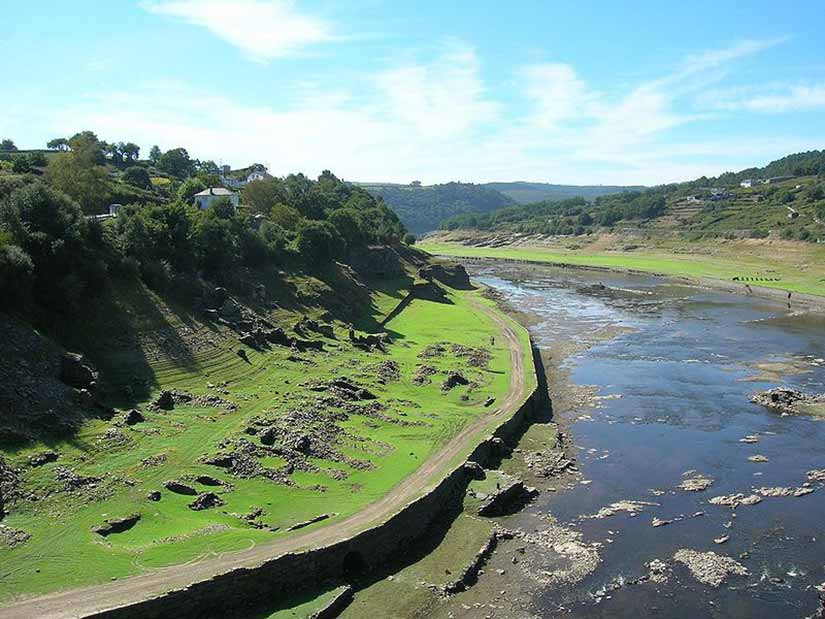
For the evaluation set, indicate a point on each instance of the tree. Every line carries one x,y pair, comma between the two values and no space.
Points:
130,151
261,196
20,164
176,162
285,217
38,159
155,154
7,146
137,176
222,208
189,188
58,144
409,239
318,243
78,173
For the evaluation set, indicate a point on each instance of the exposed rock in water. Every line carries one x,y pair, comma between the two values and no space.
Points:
786,401
695,484
750,438
710,568
757,458
658,571
779,491
506,499
206,500
735,500
630,507
179,488
453,379
816,475
573,561
76,371
116,525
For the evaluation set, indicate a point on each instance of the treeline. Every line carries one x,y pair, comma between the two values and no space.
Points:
566,217
422,208
55,254
810,163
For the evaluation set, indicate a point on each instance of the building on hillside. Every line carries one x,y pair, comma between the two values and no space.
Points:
206,197
717,193
693,199
257,175
747,183
778,179
111,212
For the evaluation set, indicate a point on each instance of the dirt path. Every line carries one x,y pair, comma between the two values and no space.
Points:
91,600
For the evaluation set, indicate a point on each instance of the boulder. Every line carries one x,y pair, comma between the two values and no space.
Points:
208,480
179,488
165,401
449,273
76,371
154,496
44,457
133,417
206,500
116,525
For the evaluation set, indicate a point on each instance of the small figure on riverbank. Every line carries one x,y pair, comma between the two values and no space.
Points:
492,340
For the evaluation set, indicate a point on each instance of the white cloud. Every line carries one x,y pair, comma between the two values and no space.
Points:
557,93
262,29
774,98
437,122
445,98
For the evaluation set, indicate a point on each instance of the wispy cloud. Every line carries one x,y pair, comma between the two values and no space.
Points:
437,121
772,98
444,98
262,29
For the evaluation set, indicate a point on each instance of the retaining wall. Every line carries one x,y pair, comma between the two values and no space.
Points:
237,592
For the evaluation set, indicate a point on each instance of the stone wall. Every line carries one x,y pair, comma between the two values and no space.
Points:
238,592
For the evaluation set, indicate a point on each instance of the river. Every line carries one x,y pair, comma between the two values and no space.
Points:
673,368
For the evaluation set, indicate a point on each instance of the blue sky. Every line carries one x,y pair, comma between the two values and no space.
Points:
564,92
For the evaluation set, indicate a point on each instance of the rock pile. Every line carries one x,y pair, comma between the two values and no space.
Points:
786,401
206,500
453,380
709,568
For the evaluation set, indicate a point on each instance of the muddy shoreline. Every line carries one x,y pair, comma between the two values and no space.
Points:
798,301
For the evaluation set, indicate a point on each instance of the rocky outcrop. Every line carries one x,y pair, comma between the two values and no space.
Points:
506,499
306,523
9,483
451,274
786,401
116,525
76,371
206,500
179,488
336,605
469,575
377,261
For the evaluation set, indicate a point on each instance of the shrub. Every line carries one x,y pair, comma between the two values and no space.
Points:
16,270
409,239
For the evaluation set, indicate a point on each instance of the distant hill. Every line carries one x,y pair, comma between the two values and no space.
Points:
421,208
785,199
526,193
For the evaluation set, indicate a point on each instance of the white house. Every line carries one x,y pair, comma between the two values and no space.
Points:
208,196
748,183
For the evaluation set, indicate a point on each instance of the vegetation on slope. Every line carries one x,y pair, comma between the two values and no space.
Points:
422,207
788,203
256,357
527,193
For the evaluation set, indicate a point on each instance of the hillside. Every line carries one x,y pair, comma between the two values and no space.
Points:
177,382
785,199
526,193
421,208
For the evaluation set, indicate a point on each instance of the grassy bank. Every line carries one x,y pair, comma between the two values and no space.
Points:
797,267
377,448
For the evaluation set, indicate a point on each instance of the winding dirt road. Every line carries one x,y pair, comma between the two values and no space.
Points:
91,600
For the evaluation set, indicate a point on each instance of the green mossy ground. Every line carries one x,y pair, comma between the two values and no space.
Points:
63,552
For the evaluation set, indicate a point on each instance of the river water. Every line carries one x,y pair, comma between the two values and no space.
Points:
673,384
